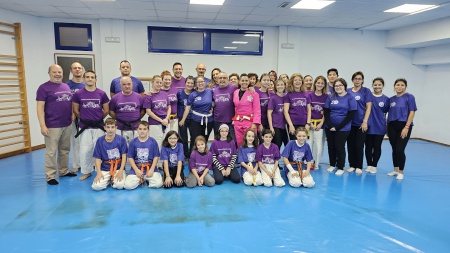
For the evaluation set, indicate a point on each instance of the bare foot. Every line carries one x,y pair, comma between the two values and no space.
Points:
74,170
85,176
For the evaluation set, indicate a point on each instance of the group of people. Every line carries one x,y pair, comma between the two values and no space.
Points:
252,117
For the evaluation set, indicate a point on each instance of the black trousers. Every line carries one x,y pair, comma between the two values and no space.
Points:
234,176
280,137
373,149
197,129
183,131
173,174
336,147
397,143
355,147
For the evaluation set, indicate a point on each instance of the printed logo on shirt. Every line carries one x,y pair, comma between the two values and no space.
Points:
334,102
357,98
225,152
113,153
172,98
222,98
142,155
299,102
280,109
64,97
251,157
185,102
173,159
381,104
200,167
264,102
393,104
298,156
267,159
198,98
92,104
127,106
249,98
160,105
317,108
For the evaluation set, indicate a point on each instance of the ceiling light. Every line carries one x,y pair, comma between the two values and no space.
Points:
230,47
411,8
239,42
312,4
208,2
252,35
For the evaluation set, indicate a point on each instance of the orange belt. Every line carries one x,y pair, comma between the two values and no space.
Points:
299,167
172,116
238,117
144,166
112,170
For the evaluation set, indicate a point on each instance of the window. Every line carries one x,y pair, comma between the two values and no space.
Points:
204,41
70,36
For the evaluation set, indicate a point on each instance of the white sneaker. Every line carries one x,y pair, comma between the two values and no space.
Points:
368,169
339,172
373,170
392,173
400,176
331,169
358,171
350,170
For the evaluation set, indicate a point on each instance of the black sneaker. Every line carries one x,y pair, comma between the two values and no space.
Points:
52,182
69,174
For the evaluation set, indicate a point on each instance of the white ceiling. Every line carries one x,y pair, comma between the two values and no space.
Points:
355,14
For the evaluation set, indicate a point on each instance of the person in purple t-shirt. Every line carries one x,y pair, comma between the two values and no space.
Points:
316,134
360,123
224,153
296,154
90,105
54,111
275,115
223,104
267,156
127,108
200,163
264,95
377,130
110,155
158,108
400,122
173,100
172,156
297,105
178,80
125,71
75,84
339,110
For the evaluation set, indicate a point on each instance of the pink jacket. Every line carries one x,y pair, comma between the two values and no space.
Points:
248,105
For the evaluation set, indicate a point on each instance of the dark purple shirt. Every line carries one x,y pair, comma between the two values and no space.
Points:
91,104
58,104
317,103
158,103
298,106
200,162
223,103
223,150
172,95
276,104
264,101
178,84
267,155
127,108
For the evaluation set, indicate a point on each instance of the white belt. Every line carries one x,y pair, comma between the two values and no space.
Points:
203,116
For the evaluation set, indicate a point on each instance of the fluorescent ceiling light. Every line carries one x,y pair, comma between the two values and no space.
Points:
312,4
252,35
411,8
208,2
230,47
98,0
239,42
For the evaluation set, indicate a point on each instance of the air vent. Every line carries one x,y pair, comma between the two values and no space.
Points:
284,4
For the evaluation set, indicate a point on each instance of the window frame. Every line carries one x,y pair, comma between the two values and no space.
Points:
58,46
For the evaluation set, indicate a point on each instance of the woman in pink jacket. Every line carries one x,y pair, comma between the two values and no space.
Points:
247,109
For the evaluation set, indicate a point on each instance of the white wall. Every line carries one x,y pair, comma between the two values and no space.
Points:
315,51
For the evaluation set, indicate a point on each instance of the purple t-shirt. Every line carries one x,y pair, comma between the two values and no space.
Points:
377,119
58,104
317,103
91,104
200,162
106,151
363,96
182,98
200,102
246,155
298,106
276,104
223,150
127,108
400,107
158,103
223,103
173,155
178,84
74,87
214,87
115,87
267,155
294,153
142,152
173,100
264,101
339,108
